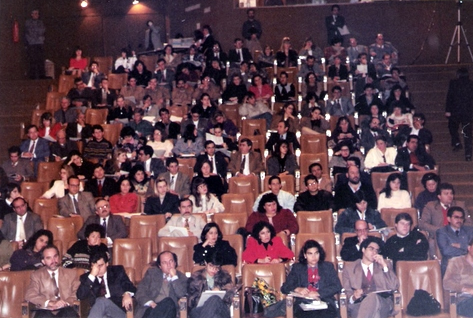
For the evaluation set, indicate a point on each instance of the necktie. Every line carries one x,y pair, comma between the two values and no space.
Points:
99,188
186,223
243,162
21,229
281,137
63,117
368,275
414,159
457,233
32,146
56,289
76,205
104,224
240,55
384,158
172,182
103,289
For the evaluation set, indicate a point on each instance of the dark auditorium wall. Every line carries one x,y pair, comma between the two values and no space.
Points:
107,26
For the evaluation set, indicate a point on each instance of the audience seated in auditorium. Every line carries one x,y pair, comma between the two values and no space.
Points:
79,130
101,186
183,224
287,114
228,128
206,107
62,147
380,158
397,96
286,56
315,123
365,101
269,210
252,109
335,50
195,119
215,183
17,169
76,203
162,201
182,94
384,67
124,63
153,166
342,152
93,77
12,228
374,112
151,108
81,95
351,250
418,129
282,160
178,182
453,238
338,71
66,114
133,92
407,244
346,193
77,63
207,86
104,97
141,74
126,200
285,199
283,132
262,90
393,196
264,246
238,54
245,161
381,47
413,157
78,255
284,91
324,183
310,66
266,58
313,199
189,144
216,159
430,181
60,187
370,135
169,129
165,77
339,105
143,128
172,59
29,257
9,192
202,200
354,50
98,147
211,242
121,113
34,149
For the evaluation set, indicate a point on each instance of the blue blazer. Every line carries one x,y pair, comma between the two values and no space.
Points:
41,149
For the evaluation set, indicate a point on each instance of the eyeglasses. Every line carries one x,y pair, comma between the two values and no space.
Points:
103,207
374,249
312,183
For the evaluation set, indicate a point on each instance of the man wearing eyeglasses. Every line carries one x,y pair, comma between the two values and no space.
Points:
113,224
75,202
351,249
363,278
453,238
22,224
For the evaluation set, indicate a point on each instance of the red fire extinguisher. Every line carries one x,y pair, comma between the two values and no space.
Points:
16,32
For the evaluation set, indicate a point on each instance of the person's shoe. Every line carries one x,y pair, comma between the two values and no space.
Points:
458,147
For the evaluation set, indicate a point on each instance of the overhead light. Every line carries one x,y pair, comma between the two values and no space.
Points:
84,3
135,2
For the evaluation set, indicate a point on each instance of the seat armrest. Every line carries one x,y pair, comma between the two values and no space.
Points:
25,309
453,304
289,306
343,305
183,307
397,304
236,306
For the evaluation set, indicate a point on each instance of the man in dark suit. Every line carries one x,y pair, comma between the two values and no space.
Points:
104,97
93,77
107,288
113,224
164,202
314,199
369,135
344,194
81,95
153,166
364,102
65,114
161,288
178,182
453,238
361,211
101,186
53,288
216,159
414,158
31,222
283,133
339,105
238,54
170,128
364,277
351,250
459,110
17,170
164,75
76,203
332,23
61,148
245,161
34,148
200,123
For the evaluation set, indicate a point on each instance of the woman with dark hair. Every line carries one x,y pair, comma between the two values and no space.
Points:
270,211
314,278
235,91
315,123
77,63
266,58
341,153
282,161
310,84
265,247
212,277
430,181
215,183
141,74
29,257
288,113
393,196
262,90
397,95
344,131
79,253
83,169
189,143
10,192
212,242
139,180
286,56
126,200
60,187
119,163
172,59
48,127
206,106
202,200
159,145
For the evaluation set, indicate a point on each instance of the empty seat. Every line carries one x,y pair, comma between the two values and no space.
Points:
230,222
244,184
13,287
46,208
134,253
236,241
249,126
111,132
33,190
49,171
96,116
183,247
186,166
313,143
65,230
238,202
117,81
147,226
315,221
53,101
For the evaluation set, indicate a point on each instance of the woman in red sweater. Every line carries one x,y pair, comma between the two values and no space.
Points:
126,200
265,247
270,211
48,128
